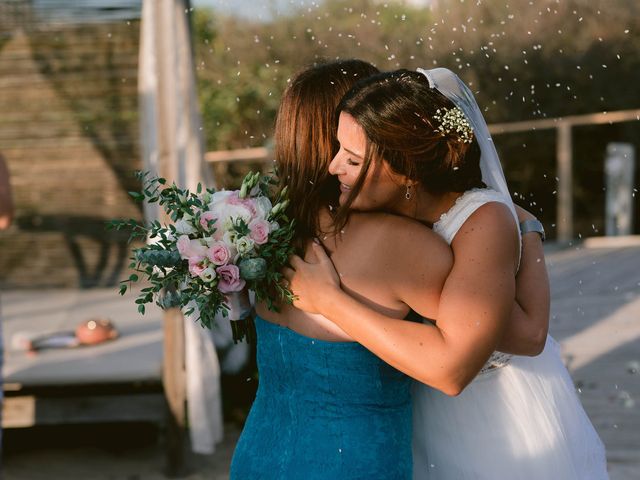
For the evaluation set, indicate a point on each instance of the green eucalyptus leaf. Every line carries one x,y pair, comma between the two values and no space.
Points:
253,268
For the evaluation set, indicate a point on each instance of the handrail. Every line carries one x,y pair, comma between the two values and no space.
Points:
564,153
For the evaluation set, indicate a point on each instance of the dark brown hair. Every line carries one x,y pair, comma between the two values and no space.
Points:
396,111
306,139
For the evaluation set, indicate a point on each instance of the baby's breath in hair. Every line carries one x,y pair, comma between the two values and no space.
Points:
452,120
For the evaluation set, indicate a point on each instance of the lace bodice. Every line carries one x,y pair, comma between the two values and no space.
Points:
449,224
451,221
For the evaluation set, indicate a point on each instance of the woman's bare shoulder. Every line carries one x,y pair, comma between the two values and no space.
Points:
413,260
394,227
492,222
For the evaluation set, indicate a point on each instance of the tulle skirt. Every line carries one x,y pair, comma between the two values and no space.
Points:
521,421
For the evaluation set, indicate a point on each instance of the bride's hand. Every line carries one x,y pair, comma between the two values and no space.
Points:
313,280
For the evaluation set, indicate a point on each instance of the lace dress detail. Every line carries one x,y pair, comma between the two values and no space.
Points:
451,221
449,224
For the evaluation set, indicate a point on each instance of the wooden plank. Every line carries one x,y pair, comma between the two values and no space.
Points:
597,327
30,410
243,154
173,373
174,381
611,242
134,358
19,412
68,141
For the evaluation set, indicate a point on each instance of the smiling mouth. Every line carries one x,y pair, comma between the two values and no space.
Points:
344,188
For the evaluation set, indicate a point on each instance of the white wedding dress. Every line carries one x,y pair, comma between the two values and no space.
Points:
519,419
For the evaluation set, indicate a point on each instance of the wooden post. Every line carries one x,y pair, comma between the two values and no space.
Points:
173,380
171,141
564,153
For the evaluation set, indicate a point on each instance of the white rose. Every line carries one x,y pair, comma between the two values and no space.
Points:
184,227
208,274
244,245
228,213
263,207
229,238
218,197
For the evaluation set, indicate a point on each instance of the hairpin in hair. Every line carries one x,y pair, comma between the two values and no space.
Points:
452,120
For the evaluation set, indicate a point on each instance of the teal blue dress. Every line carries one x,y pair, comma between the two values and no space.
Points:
324,411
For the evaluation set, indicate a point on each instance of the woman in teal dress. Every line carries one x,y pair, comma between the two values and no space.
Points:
324,410
326,407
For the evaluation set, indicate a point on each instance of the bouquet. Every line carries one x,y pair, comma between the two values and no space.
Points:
221,244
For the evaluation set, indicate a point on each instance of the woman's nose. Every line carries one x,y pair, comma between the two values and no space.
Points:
334,166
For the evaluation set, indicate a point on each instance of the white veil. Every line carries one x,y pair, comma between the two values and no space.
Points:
450,85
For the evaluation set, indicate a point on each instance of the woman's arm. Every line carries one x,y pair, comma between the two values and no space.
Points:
526,331
474,307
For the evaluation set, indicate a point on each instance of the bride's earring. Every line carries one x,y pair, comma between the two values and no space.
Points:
408,194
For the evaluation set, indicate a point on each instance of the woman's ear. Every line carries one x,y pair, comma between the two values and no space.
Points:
397,178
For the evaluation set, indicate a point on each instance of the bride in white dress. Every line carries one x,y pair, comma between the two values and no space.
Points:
520,417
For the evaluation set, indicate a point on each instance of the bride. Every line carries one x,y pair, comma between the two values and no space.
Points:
520,418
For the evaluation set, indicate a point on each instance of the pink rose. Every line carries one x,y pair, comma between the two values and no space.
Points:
218,253
196,267
247,203
230,280
183,245
206,217
190,249
228,208
259,231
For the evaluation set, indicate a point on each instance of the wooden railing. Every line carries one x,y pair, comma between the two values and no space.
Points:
244,154
564,154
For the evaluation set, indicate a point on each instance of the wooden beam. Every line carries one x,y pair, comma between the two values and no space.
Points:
29,410
599,118
243,154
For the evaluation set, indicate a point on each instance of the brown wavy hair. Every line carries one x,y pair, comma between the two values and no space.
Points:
306,139
396,111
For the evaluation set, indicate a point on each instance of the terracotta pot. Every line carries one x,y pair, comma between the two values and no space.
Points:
96,330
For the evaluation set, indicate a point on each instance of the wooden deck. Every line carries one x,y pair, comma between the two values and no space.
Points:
595,316
115,381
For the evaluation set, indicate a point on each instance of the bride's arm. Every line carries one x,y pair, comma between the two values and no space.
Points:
474,307
526,331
